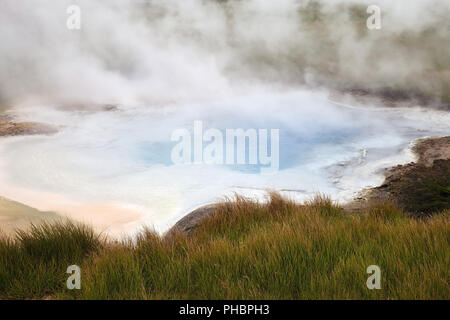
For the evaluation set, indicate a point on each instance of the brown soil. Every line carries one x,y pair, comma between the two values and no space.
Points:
422,187
9,127
431,149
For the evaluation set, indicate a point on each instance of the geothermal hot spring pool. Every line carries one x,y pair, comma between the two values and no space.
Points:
114,168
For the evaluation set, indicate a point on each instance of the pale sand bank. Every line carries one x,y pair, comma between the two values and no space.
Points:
14,215
112,220
109,218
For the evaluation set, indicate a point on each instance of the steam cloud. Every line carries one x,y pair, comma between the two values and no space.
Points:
154,52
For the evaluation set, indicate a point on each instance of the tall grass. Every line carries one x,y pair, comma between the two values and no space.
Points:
34,263
244,250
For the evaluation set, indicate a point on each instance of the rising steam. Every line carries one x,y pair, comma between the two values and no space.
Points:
153,52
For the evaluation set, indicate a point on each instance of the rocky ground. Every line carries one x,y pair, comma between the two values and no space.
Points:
10,127
190,221
421,187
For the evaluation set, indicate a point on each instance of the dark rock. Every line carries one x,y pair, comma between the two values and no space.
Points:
189,222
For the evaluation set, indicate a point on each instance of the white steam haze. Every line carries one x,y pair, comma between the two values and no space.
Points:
167,50
230,64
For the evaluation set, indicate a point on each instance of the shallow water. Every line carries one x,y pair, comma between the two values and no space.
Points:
114,168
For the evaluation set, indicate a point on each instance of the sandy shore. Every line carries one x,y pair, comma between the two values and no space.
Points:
14,215
111,219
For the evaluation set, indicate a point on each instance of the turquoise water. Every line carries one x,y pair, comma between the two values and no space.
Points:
123,158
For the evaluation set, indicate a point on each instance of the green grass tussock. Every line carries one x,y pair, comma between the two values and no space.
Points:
33,264
244,250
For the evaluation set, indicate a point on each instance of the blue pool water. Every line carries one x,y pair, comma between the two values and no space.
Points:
123,158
